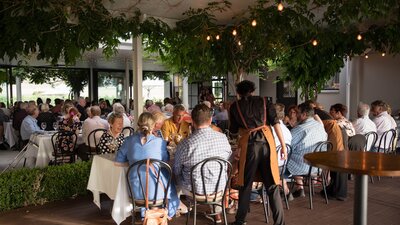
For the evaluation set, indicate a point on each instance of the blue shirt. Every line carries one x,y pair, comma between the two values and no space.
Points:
305,138
28,127
132,151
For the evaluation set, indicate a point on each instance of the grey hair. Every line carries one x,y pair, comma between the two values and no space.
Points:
118,108
363,109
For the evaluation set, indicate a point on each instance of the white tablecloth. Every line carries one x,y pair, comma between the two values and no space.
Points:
41,148
9,134
107,178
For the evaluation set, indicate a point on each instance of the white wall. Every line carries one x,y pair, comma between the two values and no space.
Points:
326,99
379,79
268,86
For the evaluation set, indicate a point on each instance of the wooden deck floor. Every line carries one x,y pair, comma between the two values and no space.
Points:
383,209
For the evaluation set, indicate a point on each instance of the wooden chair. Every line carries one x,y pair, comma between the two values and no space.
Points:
160,174
319,176
386,142
128,131
212,196
94,141
371,138
64,143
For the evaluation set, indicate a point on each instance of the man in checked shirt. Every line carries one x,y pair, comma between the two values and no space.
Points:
203,143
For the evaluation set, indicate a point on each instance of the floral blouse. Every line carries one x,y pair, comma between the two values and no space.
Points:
76,125
109,144
347,125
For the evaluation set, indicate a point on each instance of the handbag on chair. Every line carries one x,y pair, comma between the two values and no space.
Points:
154,216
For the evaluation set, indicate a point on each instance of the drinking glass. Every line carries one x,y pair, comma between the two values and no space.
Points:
43,125
55,126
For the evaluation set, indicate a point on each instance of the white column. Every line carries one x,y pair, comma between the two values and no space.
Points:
18,85
348,83
91,86
137,77
185,93
126,84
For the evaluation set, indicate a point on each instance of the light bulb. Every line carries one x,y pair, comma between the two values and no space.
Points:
239,43
383,54
315,42
217,37
359,37
280,7
208,37
254,23
366,56
234,32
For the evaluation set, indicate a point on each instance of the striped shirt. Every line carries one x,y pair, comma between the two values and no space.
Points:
201,144
305,137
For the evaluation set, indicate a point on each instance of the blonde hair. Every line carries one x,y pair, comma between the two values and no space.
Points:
146,123
158,116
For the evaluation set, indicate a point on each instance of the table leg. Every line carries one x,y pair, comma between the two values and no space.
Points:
360,200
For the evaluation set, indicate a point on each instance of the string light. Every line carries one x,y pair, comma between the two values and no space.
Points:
234,32
315,42
254,23
383,54
366,56
239,43
217,37
208,37
280,7
359,37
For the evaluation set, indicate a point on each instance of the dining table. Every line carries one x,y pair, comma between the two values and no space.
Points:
10,134
39,151
361,164
110,179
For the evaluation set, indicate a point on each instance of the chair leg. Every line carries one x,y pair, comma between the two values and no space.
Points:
188,214
310,187
194,213
264,202
371,179
284,194
133,217
324,188
224,213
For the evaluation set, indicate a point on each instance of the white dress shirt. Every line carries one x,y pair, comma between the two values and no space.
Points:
287,136
383,122
364,125
91,124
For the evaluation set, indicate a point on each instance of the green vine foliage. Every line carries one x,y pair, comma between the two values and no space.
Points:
52,29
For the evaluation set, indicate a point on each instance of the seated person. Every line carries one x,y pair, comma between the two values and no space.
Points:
143,145
29,124
159,117
175,126
203,143
305,137
47,117
112,140
70,121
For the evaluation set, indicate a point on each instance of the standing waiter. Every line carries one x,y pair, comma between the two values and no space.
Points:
253,116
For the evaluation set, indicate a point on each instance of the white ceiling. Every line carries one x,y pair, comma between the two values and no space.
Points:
174,9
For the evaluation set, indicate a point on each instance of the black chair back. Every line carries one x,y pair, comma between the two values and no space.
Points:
94,140
128,131
159,171
371,138
386,141
64,143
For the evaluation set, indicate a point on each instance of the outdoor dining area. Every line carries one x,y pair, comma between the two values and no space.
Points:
270,112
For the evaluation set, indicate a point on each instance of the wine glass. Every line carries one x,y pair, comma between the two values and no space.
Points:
43,125
55,126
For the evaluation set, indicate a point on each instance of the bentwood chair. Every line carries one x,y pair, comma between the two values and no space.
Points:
386,142
128,131
318,176
64,143
371,138
282,169
94,141
209,194
160,174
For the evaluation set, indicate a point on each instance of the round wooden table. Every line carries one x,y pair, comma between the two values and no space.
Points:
361,164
